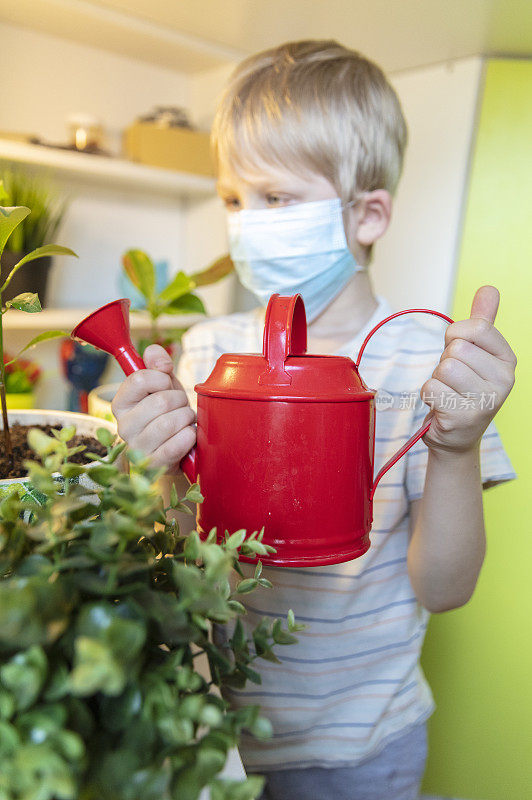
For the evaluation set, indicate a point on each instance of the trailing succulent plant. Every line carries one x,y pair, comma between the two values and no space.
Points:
11,218
105,609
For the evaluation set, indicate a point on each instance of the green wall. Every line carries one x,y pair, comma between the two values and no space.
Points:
478,659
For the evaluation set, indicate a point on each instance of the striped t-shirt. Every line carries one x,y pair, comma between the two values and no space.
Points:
353,681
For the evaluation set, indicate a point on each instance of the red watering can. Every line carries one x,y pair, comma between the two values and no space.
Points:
285,440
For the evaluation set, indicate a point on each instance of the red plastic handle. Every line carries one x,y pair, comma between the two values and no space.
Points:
424,428
285,334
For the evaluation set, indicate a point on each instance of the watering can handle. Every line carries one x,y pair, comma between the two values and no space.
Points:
424,428
285,334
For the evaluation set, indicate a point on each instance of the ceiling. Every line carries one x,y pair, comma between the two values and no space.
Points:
193,35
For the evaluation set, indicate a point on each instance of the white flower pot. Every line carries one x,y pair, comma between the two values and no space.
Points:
84,424
99,400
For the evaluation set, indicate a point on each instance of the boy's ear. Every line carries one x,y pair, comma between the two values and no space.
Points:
374,214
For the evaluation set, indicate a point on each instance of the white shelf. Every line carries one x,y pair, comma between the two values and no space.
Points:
50,319
105,171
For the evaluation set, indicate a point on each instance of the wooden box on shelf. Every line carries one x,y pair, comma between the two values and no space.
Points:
169,147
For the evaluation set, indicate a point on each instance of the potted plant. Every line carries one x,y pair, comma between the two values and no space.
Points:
35,231
14,425
21,377
103,621
177,298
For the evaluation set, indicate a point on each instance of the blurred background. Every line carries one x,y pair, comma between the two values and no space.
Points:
108,104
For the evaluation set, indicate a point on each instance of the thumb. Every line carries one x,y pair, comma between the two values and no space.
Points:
156,357
485,304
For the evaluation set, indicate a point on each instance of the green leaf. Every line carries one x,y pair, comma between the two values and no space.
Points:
225,789
41,443
193,494
214,272
105,437
27,301
95,669
9,744
282,637
192,546
140,271
187,304
65,434
174,500
251,674
115,452
102,474
24,675
40,338
3,194
247,585
262,728
46,250
236,539
9,219
180,285
237,607
238,640
72,470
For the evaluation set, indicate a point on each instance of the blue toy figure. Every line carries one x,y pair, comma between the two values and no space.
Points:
82,366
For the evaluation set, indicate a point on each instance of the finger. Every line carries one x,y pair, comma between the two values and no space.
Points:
459,377
164,427
174,449
485,304
482,333
484,364
137,386
156,357
136,424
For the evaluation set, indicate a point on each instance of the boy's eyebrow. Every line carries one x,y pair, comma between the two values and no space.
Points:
223,187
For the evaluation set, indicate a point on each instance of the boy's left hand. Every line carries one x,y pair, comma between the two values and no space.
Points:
473,379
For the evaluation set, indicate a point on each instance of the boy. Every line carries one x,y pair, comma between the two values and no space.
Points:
309,140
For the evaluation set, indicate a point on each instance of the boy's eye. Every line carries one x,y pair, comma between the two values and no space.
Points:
231,203
276,199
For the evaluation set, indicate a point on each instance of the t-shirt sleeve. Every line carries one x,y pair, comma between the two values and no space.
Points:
495,466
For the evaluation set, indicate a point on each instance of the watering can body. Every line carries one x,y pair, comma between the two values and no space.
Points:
285,441
295,459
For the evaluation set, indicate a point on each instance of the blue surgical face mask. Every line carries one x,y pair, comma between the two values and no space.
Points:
294,249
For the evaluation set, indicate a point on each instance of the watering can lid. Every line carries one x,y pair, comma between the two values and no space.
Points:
284,371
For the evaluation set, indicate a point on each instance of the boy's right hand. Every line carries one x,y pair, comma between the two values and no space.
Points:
152,411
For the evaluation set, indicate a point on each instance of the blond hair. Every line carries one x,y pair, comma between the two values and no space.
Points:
316,106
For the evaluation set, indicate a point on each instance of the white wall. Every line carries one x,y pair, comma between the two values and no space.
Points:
49,78
415,262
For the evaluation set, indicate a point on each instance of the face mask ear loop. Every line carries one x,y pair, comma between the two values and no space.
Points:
345,206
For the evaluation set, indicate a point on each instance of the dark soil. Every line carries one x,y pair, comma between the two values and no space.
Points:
22,451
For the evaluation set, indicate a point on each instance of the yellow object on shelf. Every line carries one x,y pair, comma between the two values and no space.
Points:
20,400
169,147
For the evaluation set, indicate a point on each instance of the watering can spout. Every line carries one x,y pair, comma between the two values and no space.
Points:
107,328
